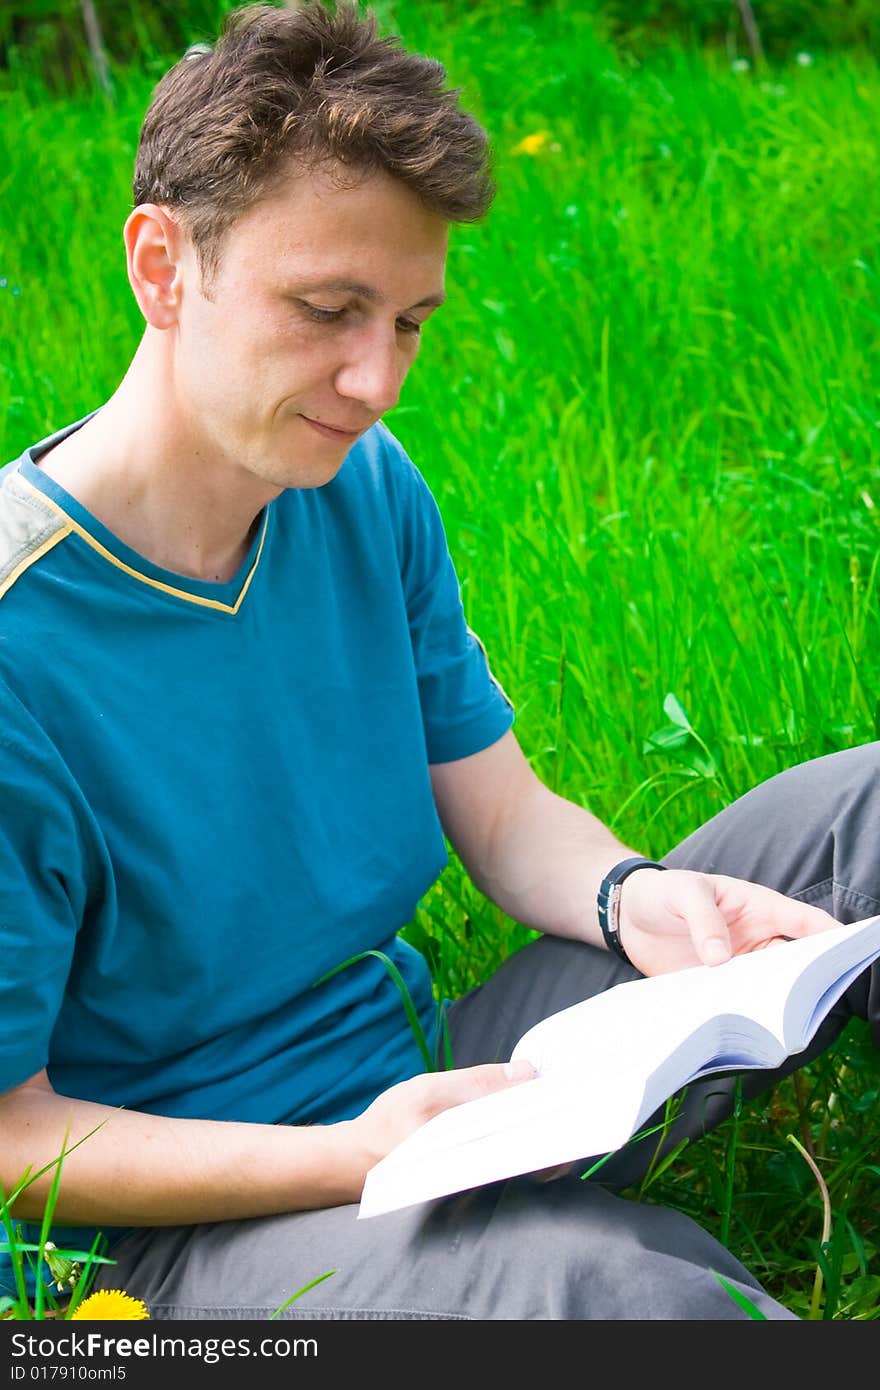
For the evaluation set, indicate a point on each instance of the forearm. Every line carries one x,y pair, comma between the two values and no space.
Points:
149,1170
544,864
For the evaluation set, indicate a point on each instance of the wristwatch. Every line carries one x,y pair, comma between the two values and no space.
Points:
608,901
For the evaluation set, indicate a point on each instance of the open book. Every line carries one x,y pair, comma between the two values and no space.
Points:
605,1065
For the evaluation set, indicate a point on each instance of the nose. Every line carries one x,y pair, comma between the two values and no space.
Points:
374,371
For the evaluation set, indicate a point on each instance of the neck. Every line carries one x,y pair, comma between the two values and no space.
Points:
143,467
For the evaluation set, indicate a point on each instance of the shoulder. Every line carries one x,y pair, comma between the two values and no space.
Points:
29,525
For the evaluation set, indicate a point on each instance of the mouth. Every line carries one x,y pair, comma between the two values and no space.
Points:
332,431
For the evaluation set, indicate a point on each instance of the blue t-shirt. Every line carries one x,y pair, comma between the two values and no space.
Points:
215,793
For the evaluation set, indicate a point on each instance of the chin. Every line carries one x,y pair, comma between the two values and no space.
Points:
307,474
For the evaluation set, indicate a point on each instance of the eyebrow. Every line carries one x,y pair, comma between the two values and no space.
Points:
373,296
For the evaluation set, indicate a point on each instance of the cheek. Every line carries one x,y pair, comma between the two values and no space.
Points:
293,347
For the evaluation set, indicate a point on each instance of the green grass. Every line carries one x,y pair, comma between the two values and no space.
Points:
650,417
72,1271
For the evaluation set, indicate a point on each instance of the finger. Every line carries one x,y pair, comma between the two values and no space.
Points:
765,913
694,901
794,919
445,1089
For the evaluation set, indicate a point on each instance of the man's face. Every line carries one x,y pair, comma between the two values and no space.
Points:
305,333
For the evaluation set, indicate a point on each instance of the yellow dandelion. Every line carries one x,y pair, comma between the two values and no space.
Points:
110,1305
532,144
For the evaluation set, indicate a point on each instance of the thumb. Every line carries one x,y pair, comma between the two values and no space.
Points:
519,1070
710,936
469,1083
705,921
494,1076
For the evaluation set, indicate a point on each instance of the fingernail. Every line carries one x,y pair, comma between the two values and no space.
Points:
519,1071
715,952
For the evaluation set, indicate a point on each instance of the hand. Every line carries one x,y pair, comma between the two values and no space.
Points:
674,919
405,1107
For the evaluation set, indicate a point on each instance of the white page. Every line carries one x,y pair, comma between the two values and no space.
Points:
535,1124
626,1025
773,984
618,1030
593,1060
566,1113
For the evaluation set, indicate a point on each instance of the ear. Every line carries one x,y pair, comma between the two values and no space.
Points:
156,252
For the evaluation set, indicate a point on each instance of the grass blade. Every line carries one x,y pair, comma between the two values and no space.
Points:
739,1298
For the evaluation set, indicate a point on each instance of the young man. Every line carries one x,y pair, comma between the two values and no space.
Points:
241,705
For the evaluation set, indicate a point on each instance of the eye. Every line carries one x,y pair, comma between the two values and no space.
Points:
409,326
320,315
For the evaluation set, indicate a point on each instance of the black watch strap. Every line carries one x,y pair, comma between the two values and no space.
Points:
608,901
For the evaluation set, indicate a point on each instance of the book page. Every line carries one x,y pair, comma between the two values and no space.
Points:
824,980
622,1029
640,1019
536,1124
789,988
606,1064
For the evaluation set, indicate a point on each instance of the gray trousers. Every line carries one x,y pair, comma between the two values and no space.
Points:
564,1249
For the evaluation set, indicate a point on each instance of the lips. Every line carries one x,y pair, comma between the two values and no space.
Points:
332,431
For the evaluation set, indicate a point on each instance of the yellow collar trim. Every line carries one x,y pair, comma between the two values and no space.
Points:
102,550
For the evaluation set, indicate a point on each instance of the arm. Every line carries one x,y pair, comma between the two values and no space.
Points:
541,858
141,1169
151,1170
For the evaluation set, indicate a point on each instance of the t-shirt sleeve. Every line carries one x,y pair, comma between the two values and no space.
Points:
42,891
464,707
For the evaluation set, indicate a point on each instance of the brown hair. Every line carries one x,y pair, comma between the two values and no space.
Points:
304,83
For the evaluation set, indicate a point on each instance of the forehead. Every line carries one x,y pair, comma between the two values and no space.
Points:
325,224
